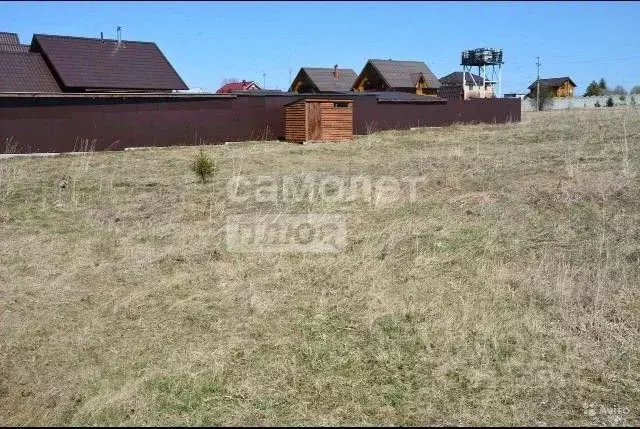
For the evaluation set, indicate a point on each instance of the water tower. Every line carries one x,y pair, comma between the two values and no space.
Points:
489,64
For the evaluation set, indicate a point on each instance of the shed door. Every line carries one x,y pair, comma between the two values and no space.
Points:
314,130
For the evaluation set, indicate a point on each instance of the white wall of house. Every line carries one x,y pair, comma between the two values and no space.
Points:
475,91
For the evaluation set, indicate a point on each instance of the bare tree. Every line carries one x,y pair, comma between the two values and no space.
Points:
227,80
619,90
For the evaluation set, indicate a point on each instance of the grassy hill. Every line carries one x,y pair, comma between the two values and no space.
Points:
506,290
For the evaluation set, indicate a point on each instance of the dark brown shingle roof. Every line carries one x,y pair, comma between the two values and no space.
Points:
82,63
25,72
402,74
14,48
324,80
9,42
552,82
9,38
455,78
451,92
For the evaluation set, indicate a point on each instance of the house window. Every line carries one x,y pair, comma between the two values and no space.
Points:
340,104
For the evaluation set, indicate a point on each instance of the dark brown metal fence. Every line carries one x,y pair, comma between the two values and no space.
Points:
369,115
70,123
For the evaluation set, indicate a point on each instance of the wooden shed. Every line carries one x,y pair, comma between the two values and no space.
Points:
319,120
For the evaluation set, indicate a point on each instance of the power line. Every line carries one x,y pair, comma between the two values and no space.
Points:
572,61
599,59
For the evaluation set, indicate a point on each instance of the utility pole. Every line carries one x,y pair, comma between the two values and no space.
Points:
538,85
264,80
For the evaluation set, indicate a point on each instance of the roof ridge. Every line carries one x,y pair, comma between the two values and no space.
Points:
327,68
239,82
58,36
398,61
455,73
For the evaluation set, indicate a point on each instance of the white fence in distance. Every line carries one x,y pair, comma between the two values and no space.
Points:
558,103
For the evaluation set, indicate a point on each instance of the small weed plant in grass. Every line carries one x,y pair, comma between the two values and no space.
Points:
203,165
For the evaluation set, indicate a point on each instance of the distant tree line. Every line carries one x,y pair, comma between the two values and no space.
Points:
595,88
600,88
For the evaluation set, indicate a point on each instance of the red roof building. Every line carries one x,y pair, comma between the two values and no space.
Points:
238,86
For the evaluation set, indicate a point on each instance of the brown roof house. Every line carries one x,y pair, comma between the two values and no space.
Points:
9,42
9,38
21,70
452,86
82,64
400,76
557,86
322,80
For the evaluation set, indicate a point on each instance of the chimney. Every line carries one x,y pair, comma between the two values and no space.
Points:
336,73
101,37
119,31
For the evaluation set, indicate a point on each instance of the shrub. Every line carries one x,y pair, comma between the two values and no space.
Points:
594,89
203,165
618,90
602,84
597,104
610,102
633,100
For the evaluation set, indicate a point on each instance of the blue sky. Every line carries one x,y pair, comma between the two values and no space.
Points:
210,41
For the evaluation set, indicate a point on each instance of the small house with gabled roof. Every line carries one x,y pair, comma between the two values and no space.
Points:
399,76
473,84
558,86
322,80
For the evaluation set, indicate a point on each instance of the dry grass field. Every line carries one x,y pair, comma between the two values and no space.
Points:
507,292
